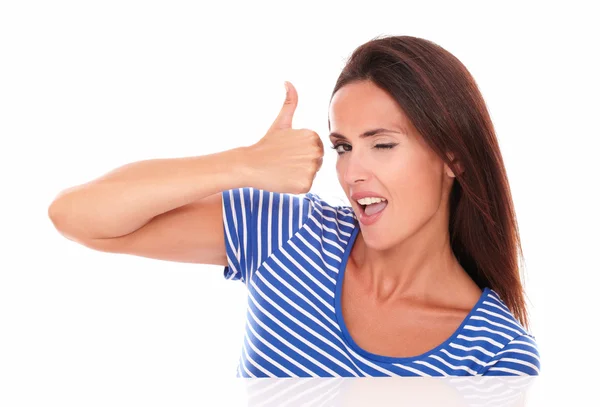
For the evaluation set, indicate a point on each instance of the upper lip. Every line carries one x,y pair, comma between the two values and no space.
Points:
364,194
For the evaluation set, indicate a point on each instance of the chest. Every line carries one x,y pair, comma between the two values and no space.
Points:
401,330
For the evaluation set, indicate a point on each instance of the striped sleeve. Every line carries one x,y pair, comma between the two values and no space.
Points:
520,357
257,222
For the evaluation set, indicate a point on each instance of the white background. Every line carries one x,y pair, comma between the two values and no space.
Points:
88,86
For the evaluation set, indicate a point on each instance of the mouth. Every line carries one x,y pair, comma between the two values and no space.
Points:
362,208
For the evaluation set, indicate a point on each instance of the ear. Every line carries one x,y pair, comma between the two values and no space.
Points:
457,163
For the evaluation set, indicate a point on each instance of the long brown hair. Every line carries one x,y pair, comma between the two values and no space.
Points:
443,102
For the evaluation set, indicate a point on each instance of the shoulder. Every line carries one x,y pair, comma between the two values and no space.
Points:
260,204
256,224
512,349
250,203
329,212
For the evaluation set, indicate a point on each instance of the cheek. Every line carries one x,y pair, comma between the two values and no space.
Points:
338,171
417,194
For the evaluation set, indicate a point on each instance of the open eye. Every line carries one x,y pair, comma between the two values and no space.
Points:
335,147
377,146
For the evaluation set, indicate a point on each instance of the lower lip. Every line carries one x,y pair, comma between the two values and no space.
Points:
369,220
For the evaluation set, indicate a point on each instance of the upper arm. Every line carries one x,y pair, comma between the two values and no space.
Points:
237,228
256,224
192,233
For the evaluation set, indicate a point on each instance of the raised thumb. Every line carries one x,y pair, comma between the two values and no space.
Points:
286,114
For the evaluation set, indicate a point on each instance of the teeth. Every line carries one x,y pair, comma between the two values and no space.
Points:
368,201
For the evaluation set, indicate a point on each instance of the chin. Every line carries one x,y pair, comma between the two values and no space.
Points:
376,241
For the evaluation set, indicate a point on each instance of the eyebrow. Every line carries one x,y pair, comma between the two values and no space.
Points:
366,134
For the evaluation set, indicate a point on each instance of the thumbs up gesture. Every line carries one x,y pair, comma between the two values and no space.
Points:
286,160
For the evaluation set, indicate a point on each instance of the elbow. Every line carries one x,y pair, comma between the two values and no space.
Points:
54,212
66,218
59,221
58,215
56,208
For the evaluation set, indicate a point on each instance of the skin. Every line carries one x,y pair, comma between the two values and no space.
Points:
401,269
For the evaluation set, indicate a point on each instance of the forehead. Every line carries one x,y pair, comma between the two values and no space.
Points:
363,105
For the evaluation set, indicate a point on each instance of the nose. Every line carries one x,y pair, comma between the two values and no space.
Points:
353,168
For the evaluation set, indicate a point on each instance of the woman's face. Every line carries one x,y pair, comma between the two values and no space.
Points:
412,178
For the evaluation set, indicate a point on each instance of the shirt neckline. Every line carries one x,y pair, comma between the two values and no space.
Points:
373,356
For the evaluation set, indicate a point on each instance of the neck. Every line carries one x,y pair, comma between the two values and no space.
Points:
421,266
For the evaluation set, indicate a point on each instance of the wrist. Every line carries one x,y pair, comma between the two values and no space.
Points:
243,166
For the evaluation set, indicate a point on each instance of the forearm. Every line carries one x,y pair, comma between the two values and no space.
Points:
126,198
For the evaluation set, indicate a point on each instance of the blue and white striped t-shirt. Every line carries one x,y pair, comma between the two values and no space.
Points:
291,253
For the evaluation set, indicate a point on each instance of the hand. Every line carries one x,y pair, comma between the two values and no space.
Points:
286,160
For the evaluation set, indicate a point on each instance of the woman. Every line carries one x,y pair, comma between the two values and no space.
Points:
417,277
